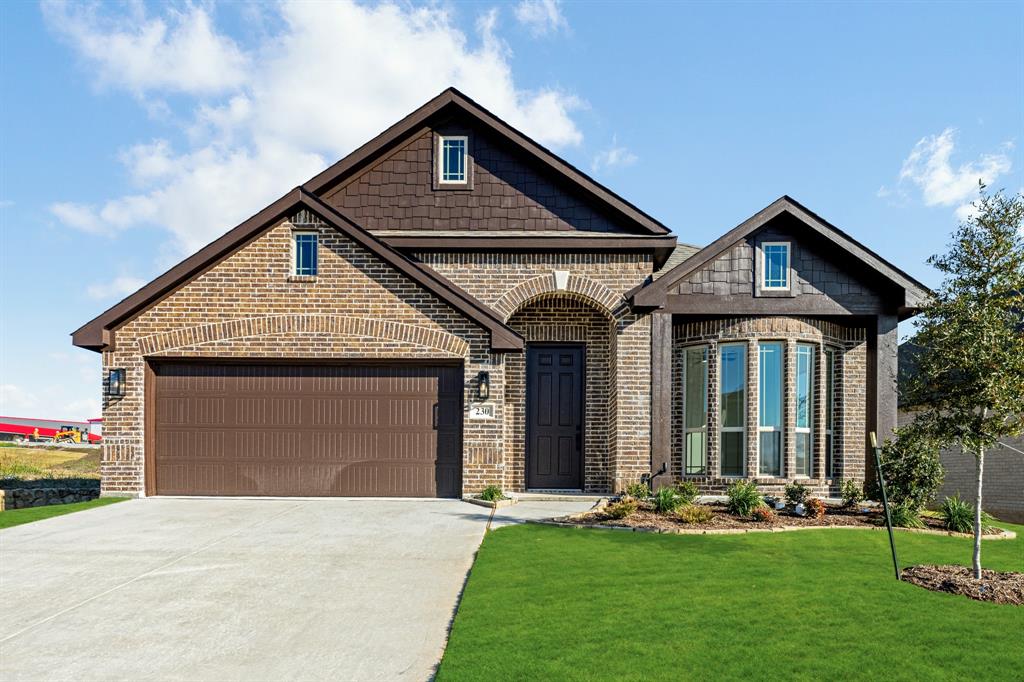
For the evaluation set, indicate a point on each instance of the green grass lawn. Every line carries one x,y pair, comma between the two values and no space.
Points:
16,517
546,603
48,462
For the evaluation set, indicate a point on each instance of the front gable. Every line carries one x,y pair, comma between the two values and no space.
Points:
829,273
505,191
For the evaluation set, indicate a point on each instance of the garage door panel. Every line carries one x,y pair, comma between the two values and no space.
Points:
307,430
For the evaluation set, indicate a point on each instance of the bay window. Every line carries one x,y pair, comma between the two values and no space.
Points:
804,409
769,393
695,381
733,396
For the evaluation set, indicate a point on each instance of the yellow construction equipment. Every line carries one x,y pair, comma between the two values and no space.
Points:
68,436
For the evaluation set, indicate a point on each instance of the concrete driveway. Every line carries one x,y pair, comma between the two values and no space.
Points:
215,589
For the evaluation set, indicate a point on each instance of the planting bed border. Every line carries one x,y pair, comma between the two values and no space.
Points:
1002,535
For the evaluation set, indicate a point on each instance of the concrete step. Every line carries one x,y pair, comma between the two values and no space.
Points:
556,496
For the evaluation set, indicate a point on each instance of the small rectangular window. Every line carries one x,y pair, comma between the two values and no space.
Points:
804,410
775,265
452,159
770,401
305,253
733,391
695,380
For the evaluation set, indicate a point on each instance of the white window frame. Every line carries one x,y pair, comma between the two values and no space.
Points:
703,429
441,157
733,429
828,356
810,407
782,407
295,251
764,266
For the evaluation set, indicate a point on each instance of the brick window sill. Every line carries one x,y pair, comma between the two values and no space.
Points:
302,278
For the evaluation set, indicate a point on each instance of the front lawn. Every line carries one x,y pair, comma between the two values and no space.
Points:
16,517
548,603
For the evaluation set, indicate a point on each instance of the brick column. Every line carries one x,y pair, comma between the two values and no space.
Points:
633,399
789,409
753,416
818,417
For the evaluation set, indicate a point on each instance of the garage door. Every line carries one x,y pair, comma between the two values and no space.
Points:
229,429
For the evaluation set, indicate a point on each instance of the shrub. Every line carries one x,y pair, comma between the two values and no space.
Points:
667,500
814,508
904,516
764,514
743,498
913,473
620,509
492,493
694,513
852,493
640,491
796,493
958,515
688,491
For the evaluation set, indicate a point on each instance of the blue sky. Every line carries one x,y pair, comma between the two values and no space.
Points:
134,133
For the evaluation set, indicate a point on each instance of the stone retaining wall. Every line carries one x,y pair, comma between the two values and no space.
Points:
19,498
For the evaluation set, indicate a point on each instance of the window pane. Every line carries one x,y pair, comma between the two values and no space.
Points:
770,388
696,388
804,394
775,270
771,453
696,454
803,454
733,383
305,254
453,160
732,453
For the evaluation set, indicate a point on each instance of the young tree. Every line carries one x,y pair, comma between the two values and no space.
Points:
970,367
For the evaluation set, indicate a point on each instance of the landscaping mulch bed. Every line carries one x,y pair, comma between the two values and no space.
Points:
646,518
1001,588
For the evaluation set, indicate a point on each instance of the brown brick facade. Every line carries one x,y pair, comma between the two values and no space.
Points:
849,438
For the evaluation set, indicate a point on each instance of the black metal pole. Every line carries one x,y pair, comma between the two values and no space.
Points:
885,502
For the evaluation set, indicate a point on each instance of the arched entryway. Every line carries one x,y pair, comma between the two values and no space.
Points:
560,422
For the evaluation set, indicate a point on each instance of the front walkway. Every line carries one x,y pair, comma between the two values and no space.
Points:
216,589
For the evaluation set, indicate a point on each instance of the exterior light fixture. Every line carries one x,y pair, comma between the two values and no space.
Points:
115,383
483,386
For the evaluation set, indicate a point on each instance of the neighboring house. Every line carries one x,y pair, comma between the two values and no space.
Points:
1002,492
452,306
27,428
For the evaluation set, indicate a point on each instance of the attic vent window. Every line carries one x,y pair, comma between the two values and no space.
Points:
452,158
775,265
305,247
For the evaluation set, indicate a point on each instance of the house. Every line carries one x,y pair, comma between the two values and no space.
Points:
452,305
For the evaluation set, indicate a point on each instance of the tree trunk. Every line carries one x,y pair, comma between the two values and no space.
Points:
977,516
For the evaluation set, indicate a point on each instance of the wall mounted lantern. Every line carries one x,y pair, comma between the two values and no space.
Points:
115,383
483,386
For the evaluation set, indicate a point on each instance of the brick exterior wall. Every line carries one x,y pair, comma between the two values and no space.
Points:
513,283
850,412
248,306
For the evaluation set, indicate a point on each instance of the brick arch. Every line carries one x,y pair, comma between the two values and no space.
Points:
341,325
576,287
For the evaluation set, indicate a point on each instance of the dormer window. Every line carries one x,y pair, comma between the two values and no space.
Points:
775,266
452,159
304,247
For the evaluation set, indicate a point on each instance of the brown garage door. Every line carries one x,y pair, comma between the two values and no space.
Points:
229,429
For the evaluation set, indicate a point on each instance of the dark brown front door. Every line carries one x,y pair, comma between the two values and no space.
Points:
267,429
554,416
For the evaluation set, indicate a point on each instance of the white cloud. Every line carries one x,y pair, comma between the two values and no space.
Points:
15,401
541,17
119,287
929,168
331,77
181,52
615,156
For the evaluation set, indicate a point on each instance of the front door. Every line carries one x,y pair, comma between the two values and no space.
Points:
554,416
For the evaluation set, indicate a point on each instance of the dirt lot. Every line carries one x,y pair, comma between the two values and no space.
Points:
48,462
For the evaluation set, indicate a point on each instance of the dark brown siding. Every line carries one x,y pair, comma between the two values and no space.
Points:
508,193
307,430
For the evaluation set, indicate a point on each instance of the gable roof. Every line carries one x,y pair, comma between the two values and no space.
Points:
99,333
652,294
453,100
